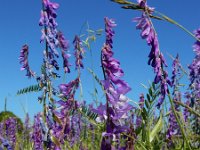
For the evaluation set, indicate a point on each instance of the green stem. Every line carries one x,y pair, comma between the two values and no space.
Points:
178,121
164,17
189,108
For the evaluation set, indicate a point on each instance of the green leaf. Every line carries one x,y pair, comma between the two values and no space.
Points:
91,31
147,104
32,88
156,129
150,92
148,98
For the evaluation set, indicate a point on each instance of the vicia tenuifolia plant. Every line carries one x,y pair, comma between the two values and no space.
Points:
165,116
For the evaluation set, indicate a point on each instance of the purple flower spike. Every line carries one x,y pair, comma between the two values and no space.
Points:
37,133
195,68
67,90
175,72
24,61
11,129
156,59
64,45
79,51
115,112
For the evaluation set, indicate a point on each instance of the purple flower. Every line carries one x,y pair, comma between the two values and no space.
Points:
54,39
66,63
117,107
5,144
173,128
11,129
195,68
64,45
175,72
24,61
79,51
156,59
141,104
37,133
68,90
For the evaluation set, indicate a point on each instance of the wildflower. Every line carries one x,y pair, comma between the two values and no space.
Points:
64,45
37,133
117,105
175,72
173,128
195,68
156,59
5,144
11,129
24,61
79,51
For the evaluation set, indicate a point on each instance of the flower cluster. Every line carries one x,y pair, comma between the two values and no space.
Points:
79,51
195,68
156,59
64,45
175,73
52,36
174,128
24,61
5,144
37,137
117,104
8,131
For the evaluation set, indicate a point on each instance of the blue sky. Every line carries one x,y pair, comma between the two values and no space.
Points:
19,25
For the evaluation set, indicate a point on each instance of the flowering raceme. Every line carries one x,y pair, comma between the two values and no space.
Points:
117,105
24,61
195,68
156,59
52,36
37,133
79,51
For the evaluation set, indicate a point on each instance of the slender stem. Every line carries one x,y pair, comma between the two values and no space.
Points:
189,108
177,24
92,67
178,121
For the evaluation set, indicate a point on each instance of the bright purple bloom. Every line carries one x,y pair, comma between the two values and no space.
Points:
37,133
117,106
52,36
24,61
79,51
175,72
64,46
5,144
11,129
195,68
156,59
68,90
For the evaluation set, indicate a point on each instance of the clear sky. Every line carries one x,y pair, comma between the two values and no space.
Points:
19,25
